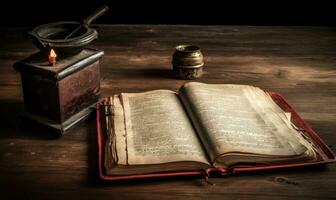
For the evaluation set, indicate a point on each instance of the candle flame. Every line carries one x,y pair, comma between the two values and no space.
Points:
52,53
52,57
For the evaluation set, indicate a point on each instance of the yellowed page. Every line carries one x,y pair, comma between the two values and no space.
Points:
240,118
158,129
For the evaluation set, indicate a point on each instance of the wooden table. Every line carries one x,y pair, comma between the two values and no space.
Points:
298,62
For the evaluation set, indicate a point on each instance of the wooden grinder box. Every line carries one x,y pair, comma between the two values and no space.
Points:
61,95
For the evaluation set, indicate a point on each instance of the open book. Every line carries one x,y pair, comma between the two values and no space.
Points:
203,126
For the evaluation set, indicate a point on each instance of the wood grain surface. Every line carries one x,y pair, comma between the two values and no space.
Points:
298,62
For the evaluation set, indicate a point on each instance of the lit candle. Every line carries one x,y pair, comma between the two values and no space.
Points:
52,57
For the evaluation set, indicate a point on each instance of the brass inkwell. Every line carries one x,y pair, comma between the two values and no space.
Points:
188,62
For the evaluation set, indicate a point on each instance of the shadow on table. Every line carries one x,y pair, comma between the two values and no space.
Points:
92,154
13,126
155,73
161,73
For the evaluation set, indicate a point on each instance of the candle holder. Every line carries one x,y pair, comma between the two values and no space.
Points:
61,95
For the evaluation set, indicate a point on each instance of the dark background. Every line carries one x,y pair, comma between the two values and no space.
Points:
204,12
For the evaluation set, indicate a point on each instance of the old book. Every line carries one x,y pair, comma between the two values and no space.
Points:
202,128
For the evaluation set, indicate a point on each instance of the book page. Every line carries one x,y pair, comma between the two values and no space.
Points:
240,118
158,129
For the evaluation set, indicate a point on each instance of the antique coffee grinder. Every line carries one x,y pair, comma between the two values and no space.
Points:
61,83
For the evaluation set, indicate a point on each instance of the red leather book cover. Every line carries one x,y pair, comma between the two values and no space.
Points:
326,155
